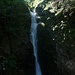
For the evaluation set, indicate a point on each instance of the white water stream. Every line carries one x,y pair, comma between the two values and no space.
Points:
34,41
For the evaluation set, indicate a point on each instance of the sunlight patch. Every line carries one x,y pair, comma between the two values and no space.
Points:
72,45
59,11
36,2
38,17
53,39
48,18
43,24
69,31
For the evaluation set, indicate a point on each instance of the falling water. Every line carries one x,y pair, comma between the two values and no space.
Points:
34,41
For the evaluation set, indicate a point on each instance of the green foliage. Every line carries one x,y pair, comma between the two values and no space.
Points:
58,16
12,64
2,7
14,27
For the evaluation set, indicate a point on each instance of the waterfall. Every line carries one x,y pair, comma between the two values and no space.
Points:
34,41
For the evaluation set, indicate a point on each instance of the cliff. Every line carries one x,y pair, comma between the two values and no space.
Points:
56,37
16,51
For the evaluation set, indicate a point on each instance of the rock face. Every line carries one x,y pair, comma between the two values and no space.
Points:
59,27
46,47
16,51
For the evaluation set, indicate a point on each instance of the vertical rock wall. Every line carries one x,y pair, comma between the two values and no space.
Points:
16,51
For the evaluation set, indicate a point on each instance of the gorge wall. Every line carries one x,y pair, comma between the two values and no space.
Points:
16,51
56,37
